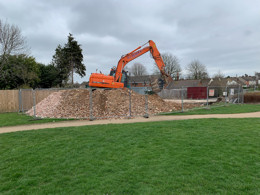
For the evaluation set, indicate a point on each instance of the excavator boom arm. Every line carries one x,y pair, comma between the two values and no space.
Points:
135,54
126,59
157,58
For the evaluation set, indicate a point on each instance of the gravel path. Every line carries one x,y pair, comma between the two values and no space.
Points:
122,121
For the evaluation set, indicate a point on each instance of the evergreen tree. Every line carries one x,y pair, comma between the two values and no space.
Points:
69,59
48,76
60,62
72,48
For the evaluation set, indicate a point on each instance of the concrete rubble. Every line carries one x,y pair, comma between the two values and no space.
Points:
75,103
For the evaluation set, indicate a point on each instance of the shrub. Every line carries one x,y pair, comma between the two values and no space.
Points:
253,97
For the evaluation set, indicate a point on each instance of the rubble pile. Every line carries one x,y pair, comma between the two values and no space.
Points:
105,103
47,107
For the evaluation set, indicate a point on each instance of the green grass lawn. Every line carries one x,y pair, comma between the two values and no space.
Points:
12,119
229,109
208,156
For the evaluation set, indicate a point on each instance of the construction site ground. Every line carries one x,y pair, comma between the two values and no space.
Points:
211,100
122,121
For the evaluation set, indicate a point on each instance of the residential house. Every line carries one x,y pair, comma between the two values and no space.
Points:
234,82
216,86
187,83
84,84
142,81
191,89
248,80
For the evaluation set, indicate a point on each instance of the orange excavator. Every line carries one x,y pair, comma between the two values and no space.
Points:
117,76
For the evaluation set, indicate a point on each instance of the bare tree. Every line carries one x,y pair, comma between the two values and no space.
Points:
11,42
138,69
197,70
11,39
172,65
219,74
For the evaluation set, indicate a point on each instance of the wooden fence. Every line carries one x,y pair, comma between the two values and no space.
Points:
21,100
9,100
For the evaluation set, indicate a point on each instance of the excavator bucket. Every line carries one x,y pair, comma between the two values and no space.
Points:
161,83
167,80
155,86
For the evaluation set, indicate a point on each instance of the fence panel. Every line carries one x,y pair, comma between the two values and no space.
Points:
112,103
235,94
138,104
41,94
9,100
26,99
141,90
173,93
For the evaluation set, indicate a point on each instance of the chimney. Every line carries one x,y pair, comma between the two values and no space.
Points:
177,78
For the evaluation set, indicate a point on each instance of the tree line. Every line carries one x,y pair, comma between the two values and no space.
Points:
20,70
195,69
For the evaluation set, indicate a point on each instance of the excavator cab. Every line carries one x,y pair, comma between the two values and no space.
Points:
125,79
112,71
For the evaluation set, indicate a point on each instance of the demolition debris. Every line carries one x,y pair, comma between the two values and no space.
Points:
105,104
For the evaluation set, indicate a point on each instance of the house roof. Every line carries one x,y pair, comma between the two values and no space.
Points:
242,80
234,81
216,82
249,78
205,82
184,83
143,78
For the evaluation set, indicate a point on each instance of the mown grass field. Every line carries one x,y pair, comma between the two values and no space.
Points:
13,119
207,156
229,109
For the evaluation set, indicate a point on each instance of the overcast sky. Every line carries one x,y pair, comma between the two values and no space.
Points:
222,34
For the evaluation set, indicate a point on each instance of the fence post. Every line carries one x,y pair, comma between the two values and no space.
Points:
182,109
146,115
34,103
130,104
90,106
242,95
22,100
226,97
238,94
207,97
19,100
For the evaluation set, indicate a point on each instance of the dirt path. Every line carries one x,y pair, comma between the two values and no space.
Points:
122,121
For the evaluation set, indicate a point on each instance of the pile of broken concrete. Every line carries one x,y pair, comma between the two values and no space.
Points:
76,103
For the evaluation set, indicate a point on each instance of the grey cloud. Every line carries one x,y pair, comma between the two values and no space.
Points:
222,34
